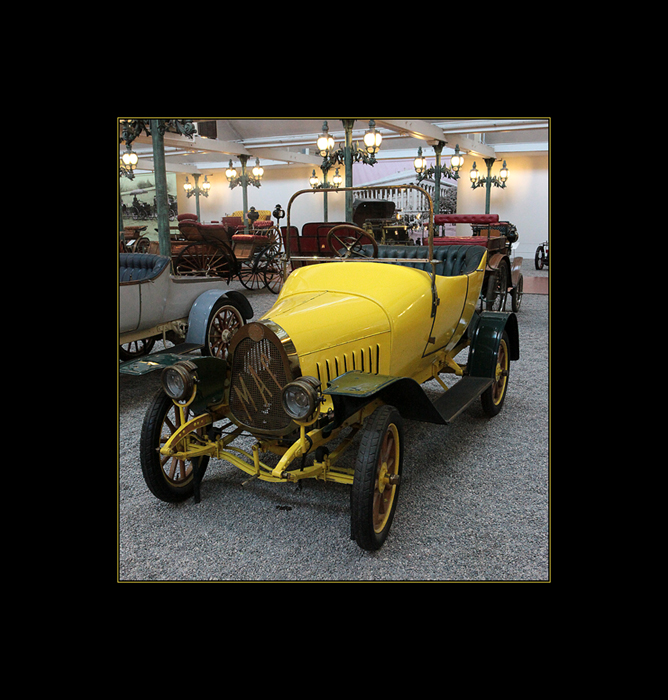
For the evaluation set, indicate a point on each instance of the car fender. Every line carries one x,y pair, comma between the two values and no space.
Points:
486,339
353,390
198,319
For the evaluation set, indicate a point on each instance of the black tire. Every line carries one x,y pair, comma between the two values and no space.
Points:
516,294
135,349
372,503
225,320
497,289
167,478
539,259
494,397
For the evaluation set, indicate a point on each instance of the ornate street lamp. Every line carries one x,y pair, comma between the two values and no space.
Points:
349,153
325,142
372,138
423,172
244,180
155,128
324,185
197,190
128,163
489,181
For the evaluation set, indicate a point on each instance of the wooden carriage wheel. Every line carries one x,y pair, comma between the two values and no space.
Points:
207,260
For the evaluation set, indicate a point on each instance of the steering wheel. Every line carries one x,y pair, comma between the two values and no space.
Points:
351,243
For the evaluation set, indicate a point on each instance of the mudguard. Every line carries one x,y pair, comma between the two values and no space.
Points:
485,342
200,311
198,320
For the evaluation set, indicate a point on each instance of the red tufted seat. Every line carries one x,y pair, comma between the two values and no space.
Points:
465,219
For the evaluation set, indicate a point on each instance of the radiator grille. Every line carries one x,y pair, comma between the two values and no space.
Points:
258,376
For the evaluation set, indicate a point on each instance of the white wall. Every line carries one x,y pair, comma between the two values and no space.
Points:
524,201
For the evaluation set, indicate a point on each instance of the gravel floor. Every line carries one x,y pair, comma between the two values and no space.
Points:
473,504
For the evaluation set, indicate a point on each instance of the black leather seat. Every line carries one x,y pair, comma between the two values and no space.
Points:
454,259
137,267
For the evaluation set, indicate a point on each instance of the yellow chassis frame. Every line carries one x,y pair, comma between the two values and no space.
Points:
187,444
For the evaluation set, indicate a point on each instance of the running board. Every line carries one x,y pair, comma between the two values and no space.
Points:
461,396
353,390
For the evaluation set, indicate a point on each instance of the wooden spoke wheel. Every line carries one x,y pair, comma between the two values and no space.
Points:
225,320
373,498
206,260
251,274
273,275
497,289
493,398
168,478
352,242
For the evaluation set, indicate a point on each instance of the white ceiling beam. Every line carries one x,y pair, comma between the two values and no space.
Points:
198,143
285,155
426,131
468,145
416,128
144,164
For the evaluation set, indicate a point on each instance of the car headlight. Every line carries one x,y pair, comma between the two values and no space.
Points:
178,381
300,398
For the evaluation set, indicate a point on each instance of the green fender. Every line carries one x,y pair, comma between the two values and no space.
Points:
485,342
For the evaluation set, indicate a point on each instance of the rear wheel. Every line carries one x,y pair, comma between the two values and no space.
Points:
373,498
497,289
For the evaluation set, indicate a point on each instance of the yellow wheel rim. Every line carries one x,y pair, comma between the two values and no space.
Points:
501,376
387,468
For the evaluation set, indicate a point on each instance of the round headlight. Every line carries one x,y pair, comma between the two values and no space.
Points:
300,397
178,381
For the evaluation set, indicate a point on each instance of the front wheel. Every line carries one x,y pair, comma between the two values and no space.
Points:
373,498
168,478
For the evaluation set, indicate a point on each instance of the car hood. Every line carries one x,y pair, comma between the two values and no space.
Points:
320,320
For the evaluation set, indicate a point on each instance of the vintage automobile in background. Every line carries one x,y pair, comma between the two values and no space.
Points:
193,312
542,256
345,348
503,275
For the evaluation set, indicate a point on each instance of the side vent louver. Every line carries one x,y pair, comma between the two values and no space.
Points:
365,359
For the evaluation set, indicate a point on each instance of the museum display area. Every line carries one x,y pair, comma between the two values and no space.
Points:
316,315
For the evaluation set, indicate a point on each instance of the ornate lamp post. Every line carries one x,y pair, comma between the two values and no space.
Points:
197,190
155,128
423,172
128,163
324,185
477,181
244,180
346,155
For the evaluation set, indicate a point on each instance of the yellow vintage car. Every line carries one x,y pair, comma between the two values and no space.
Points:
346,347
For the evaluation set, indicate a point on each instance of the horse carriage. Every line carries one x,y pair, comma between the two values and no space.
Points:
215,250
